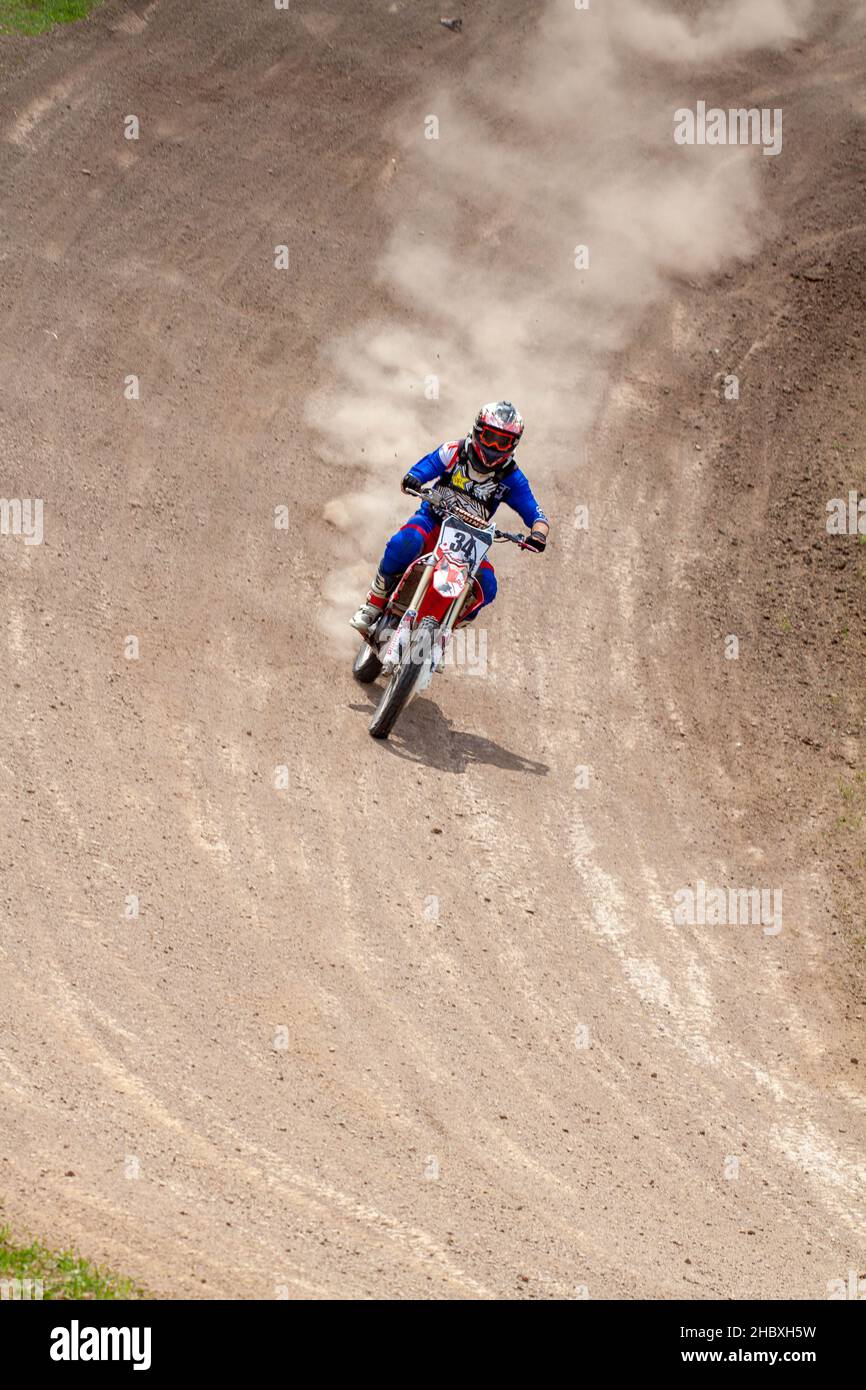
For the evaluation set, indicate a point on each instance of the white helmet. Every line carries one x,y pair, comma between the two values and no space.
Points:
495,434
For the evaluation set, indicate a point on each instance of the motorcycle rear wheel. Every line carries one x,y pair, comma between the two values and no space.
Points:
366,666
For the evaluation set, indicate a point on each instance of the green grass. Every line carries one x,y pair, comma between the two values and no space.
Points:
62,1273
853,796
35,16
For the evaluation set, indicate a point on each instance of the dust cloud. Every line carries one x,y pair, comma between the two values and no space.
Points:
550,145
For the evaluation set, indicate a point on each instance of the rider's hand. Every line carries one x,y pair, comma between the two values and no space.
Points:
411,485
536,540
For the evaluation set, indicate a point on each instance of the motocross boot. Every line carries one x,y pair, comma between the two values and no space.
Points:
372,607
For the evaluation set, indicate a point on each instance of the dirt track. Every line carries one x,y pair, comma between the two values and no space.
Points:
429,921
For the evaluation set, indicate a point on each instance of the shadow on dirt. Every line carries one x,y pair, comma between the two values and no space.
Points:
424,735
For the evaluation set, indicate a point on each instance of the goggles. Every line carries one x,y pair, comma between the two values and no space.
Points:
494,441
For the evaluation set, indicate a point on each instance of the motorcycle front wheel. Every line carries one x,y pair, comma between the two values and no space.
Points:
400,687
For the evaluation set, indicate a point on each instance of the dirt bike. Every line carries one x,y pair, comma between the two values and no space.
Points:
438,590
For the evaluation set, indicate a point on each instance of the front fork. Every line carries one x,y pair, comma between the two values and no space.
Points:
394,651
455,612
452,617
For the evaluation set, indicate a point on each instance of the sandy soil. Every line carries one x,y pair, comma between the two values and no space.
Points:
339,1052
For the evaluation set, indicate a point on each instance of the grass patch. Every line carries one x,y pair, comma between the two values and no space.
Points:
62,1274
853,796
35,16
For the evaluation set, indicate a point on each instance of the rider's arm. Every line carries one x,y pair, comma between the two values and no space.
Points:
430,466
522,499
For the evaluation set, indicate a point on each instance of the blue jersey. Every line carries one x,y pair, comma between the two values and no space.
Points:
512,487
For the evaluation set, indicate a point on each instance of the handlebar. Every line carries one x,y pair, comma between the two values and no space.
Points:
440,504
452,503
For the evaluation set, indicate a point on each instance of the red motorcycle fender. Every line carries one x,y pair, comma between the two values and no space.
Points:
433,604
436,605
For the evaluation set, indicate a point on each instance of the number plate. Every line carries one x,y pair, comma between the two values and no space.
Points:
468,541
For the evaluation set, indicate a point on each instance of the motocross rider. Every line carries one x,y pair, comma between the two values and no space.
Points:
480,467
